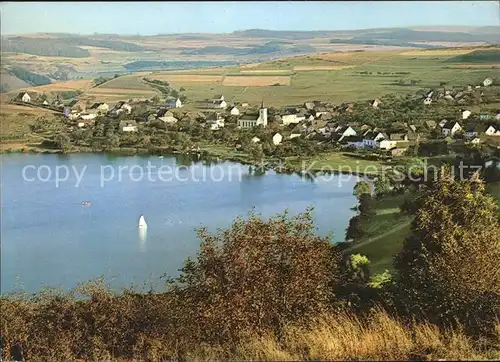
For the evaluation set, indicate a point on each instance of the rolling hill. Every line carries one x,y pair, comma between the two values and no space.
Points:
64,57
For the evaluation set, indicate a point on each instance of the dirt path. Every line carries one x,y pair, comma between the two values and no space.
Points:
378,237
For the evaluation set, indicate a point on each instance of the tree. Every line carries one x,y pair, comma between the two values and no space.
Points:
355,230
255,151
155,99
77,136
113,141
382,185
362,187
448,268
366,206
62,141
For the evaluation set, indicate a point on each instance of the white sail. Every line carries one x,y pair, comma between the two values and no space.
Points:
142,222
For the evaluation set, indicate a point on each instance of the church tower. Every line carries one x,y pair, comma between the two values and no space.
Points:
263,114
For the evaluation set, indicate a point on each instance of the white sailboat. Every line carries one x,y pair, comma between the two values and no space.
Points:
142,222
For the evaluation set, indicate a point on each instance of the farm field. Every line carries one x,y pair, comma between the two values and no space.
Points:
255,81
332,77
336,77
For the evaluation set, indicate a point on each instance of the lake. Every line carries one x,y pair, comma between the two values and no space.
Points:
50,238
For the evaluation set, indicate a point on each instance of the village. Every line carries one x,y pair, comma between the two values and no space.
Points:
341,127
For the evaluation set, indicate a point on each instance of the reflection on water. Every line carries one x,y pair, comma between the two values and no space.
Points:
143,235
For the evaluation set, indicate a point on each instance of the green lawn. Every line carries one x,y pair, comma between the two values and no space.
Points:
384,235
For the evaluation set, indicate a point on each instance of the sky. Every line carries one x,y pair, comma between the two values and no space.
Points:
150,18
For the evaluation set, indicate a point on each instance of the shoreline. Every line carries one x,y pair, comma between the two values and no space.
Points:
268,164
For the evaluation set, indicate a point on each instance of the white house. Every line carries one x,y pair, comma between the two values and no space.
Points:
166,116
249,121
450,128
427,101
215,121
372,139
100,107
88,116
82,122
45,103
255,139
122,107
287,119
375,103
74,115
466,114
487,82
25,97
128,126
234,111
220,104
218,97
173,103
168,119
387,144
492,131
344,132
442,123
277,138
354,142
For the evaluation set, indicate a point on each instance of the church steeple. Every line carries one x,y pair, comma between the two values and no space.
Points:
262,105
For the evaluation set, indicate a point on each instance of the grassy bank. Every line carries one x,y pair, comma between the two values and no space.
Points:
385,234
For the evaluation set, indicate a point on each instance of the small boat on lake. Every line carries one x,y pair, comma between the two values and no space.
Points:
142,222
86,203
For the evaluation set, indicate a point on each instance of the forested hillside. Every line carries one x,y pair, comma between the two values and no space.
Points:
30,77
63,47
43,47
478,56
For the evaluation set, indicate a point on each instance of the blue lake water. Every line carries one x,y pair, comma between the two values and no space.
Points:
50,238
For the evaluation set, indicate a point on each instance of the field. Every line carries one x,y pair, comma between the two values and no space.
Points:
332,77
322,67
82,85
255,81
188,78
121,88
335,77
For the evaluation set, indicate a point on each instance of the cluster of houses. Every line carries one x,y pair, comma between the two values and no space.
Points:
455,96
472,131
311,120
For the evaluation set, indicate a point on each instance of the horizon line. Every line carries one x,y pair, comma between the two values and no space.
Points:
262,29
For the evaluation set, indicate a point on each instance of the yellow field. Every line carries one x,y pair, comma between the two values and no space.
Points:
117,91
7,108
82,84
475,66
322,67
437,52
255,81
188,78
271,71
